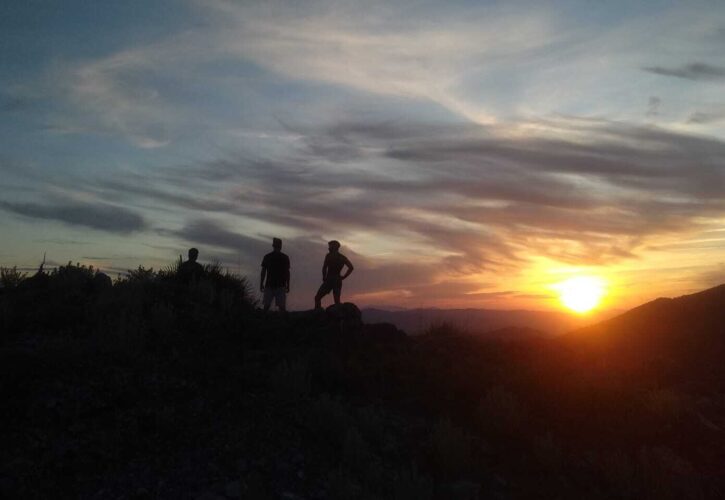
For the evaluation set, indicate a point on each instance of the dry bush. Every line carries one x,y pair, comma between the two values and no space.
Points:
11,278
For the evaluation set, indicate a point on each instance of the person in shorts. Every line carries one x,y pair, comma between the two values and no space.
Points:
275,270
331,278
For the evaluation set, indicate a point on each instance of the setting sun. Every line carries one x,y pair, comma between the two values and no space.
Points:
582,293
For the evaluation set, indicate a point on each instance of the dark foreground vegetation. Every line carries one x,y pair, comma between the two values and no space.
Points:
147,388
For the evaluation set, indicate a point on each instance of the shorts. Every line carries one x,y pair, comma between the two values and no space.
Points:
279,294
333,285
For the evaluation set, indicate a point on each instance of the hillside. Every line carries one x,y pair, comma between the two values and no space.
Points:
682,338
147,388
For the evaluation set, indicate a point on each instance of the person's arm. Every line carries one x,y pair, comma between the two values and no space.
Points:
324,269
261,279
286,277
350,268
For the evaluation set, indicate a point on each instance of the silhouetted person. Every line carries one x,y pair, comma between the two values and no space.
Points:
191,270
331,278
275,268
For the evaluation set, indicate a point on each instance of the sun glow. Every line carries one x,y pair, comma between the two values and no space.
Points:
582,293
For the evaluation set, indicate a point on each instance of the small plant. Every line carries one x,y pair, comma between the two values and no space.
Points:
10,277
141,275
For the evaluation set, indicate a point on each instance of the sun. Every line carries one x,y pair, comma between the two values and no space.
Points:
582,293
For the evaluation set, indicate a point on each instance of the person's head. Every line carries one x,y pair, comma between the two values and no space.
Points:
333,246
193,254
276,243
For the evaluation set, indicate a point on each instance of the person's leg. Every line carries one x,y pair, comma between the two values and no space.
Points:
267,299
281,299
321,292
336,291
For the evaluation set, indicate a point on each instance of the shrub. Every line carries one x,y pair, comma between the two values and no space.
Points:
11,278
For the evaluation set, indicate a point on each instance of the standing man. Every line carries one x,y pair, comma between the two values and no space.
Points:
190,271
331,279
275,268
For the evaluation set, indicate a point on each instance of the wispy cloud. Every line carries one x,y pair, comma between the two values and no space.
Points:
469,198
706,117
97,216
694,71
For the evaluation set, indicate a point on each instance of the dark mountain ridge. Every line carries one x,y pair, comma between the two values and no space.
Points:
682,337
479,321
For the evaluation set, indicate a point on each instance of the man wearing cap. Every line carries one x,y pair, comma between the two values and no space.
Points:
331,279
275,268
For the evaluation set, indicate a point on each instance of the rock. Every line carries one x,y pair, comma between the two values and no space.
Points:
347,315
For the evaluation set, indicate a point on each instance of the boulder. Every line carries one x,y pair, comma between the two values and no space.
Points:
346,315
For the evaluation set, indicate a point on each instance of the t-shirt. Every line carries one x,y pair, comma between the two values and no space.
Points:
335,262
277,266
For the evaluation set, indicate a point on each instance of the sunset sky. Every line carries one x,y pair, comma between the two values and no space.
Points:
466,154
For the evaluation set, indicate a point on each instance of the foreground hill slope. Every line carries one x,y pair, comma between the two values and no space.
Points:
148,388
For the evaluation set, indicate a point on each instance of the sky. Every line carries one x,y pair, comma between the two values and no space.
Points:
465,153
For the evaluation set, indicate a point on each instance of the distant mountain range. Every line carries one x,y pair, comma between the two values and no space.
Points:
488,322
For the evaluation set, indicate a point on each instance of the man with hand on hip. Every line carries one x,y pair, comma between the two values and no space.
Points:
331,278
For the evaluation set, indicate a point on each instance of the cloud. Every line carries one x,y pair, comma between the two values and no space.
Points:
415,139
695,71
470,199
706,117
99,216
653,106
